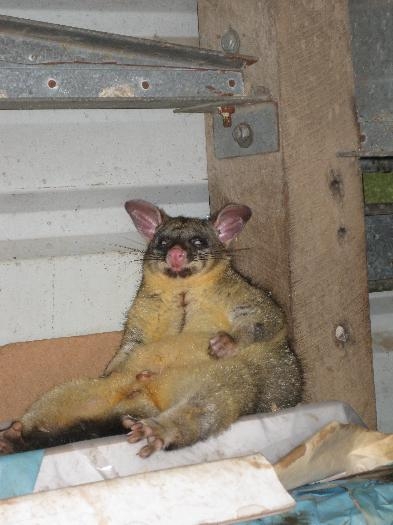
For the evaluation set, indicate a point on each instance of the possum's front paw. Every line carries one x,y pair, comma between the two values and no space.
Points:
149,429
11,439
222,345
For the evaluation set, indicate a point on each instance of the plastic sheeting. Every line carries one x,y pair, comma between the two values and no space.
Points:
18,473
344,502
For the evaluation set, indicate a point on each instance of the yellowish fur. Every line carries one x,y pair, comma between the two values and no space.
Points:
168,371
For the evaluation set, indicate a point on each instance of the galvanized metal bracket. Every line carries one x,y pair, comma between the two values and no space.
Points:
251,130
45,65
50,66
247,128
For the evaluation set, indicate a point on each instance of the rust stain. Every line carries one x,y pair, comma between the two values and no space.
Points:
219,92
296,454
226,113
257,464
247,59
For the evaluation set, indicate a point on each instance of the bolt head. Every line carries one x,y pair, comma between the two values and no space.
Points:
230,41
243,134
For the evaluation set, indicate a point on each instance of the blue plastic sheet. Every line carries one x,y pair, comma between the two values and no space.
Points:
347,502
18,473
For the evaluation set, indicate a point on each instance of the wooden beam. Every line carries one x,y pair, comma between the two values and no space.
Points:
306,239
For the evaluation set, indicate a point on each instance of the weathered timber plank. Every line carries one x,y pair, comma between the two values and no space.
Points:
257,180
307,235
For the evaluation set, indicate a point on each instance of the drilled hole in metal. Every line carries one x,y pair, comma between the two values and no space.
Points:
231,82
145,84
52,83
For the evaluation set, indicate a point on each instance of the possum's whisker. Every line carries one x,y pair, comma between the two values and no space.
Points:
136,260
233,250
134,241
130,248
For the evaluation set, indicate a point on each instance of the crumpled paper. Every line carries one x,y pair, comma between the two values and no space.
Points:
337,450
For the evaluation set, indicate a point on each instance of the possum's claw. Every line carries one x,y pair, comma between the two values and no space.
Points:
222,345
128,421
144,429
138,432
11,438
152,446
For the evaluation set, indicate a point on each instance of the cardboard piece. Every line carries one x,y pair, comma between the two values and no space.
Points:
224,491
337,450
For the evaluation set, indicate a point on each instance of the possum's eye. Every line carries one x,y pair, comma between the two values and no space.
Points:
198,242
162,243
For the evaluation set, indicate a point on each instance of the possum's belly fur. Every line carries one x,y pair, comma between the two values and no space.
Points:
173,370
182,350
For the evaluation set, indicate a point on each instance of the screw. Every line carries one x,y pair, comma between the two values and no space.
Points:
226,113
243,135
230,41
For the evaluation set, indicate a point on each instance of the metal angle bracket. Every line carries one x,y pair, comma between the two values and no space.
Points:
45,65
249,127
51,66
249,130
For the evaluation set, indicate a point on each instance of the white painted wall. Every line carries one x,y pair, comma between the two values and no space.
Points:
64,176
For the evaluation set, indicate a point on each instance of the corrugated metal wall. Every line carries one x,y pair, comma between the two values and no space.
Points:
64,177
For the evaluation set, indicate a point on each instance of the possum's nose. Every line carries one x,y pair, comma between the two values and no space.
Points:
176,258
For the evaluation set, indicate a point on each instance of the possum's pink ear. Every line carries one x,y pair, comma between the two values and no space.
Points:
230,221
145,216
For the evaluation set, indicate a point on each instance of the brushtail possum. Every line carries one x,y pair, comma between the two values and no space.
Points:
201,347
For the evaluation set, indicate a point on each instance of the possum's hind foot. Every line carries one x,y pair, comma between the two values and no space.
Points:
11,439
149,429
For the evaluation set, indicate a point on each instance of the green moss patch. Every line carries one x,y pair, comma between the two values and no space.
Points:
378,187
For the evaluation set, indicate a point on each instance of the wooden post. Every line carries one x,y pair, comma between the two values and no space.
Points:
307,235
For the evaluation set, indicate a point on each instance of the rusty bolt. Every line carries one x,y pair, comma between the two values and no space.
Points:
226,113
